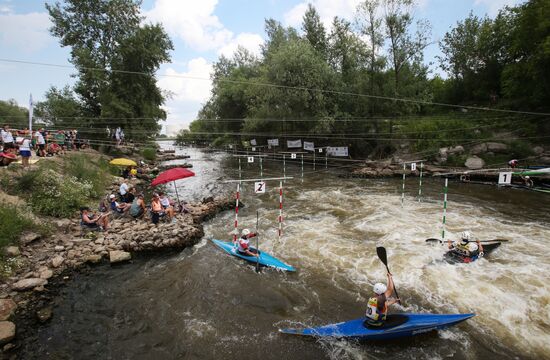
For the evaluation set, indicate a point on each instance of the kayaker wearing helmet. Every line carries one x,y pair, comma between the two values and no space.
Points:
377,307
465,246
243,246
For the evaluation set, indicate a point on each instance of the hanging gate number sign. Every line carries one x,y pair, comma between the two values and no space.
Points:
293,156
504,178
413,166
251,159
259,187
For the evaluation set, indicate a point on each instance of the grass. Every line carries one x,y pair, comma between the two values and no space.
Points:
149,154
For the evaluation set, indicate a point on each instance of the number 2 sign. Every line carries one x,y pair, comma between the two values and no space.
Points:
259,187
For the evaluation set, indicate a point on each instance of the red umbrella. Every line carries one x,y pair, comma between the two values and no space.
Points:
172,175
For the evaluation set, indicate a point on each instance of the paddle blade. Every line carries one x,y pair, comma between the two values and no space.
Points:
433,240
381,252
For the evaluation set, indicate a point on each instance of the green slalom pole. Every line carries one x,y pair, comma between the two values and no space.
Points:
444,209
420,183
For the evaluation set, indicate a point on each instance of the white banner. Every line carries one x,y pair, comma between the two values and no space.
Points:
273,142
309,146
253,142
294,144
338,151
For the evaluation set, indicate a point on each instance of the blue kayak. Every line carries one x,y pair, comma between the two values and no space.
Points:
396,326
265,258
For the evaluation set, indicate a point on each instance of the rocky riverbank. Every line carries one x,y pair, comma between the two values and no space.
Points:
39,261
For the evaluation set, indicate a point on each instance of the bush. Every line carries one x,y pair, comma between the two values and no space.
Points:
149,154
84,169
58,196
13,224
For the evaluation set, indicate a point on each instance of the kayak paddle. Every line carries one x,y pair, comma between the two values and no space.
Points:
482,241
381,252
257,246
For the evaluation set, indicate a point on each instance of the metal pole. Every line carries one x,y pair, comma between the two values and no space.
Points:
261,168
280,209
284,166
236,231
420,183
313,160
30,114
403,189
326,161
444,209
302,168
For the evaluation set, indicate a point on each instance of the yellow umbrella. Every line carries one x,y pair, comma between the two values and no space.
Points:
123,162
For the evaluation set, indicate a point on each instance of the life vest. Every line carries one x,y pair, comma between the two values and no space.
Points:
468,249
373,312
242,245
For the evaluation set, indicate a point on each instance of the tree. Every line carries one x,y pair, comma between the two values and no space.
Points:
107,43
314,31
15,116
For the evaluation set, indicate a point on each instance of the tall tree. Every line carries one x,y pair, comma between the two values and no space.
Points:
314,31
61,109
106,37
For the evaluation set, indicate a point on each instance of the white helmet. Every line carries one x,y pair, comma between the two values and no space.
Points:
380,288
527,177
466,236
245,232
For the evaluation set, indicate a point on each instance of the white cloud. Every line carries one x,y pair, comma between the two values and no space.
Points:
493,6
192,21
327,10
26,32
249,41
193,85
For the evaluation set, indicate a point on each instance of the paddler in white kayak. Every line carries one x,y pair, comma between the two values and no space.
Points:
465,246
243,246
377,307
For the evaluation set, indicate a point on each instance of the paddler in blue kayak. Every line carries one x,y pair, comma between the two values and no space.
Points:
465,246
243,246
377,307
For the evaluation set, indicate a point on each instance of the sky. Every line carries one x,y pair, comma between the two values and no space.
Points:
200,30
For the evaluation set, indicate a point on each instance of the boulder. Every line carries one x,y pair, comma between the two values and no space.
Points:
496,147
12,251
59,248
28,237
27,284
7,331
63,224
119,256
459,149
479,149
7,307
537,150
474,163
57,261
93,259
46,274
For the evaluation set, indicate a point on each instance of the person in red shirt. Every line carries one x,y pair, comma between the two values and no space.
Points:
243,246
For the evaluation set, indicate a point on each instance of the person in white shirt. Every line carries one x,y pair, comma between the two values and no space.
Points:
25,151
40,142
123,190
7,137
117,135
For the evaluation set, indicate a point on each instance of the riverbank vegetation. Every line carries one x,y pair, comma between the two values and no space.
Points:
345,85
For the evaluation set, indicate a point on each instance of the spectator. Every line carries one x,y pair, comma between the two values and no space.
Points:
137,209
126,172
93,221
119,208
123,189
156,209
7,158
168,208
7,138
60,140
133,172
130,195
25,151
40,142
513,163
118,136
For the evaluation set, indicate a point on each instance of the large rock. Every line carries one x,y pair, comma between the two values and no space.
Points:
479,149
7,307
27,284
537,150
46,274
7,331
459,149
63,225
12,251
57,261
474,163
93,259
496,147
29,237
119,256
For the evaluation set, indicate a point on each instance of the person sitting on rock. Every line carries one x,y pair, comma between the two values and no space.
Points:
93,221
157,211
119,208
130,195
168,208
137,209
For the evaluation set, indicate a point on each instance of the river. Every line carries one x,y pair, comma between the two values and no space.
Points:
203,304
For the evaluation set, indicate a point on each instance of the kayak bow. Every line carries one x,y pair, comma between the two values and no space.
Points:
396,326
265,259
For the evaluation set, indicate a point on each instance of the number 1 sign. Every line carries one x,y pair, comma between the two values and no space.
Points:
504,178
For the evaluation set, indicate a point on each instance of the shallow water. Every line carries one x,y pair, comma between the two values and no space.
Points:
204,304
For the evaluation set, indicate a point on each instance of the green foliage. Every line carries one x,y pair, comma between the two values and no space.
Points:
61,108
13,223
86,170
149,154
14,115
